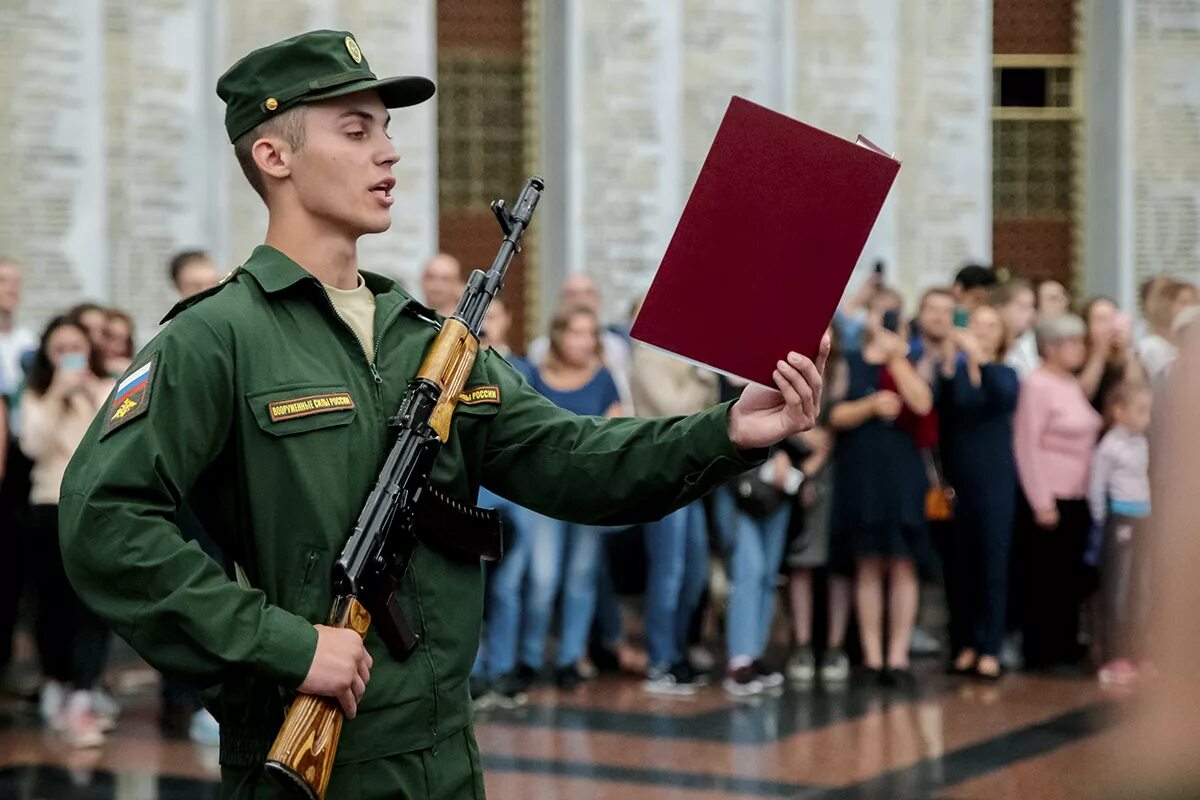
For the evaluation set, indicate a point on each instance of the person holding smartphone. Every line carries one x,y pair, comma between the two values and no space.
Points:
880,484
1111,359
66,387
972,288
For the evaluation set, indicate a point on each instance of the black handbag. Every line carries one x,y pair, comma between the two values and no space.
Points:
756,497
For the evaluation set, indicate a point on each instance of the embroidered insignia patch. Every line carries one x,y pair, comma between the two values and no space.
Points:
281,410
480,394
132,398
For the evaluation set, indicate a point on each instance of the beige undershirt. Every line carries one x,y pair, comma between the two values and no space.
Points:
357,308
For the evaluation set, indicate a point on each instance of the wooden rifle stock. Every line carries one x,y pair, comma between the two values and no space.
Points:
302,755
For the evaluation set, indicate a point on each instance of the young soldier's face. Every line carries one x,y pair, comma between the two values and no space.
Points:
342,174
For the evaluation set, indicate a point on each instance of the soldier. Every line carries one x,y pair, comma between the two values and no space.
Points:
265,403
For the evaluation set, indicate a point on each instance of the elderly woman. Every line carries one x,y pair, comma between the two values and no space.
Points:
1055,434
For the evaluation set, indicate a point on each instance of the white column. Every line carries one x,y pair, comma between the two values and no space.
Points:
1108,233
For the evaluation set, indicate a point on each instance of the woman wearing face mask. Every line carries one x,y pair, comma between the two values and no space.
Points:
1055,435
880,484
66,389
979,396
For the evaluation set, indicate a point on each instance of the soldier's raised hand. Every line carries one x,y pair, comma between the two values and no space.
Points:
761,416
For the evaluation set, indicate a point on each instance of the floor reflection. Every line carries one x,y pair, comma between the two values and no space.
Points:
610,740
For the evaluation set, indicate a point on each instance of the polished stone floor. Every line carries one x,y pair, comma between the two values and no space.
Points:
1026,737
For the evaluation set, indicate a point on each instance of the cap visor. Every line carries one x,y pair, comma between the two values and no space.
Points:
408,90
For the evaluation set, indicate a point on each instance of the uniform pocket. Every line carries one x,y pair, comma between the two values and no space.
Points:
310,590
298,408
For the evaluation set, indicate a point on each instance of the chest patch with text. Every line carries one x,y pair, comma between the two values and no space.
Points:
479,395
281,410
131,399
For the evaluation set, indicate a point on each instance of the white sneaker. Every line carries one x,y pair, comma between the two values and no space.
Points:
664,682
205,729
700,659
50,703
80,724
835,666
768,677
802,666
743,682
106,709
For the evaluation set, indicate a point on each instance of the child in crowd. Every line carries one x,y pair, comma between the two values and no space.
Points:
1119,497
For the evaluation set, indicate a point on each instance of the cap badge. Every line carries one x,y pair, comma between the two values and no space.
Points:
271,104
352,49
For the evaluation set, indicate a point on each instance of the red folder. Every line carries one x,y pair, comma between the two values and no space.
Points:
761,256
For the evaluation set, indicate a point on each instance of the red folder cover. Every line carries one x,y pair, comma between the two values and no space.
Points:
773,228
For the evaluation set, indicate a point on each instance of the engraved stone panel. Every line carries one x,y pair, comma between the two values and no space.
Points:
113,153
51,152
155,172
943,192
1166,153
624,187
844,57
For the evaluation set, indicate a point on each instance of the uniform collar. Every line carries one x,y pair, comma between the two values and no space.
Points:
275,272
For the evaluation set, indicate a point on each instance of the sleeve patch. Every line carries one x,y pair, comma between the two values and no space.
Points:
480,394
131,398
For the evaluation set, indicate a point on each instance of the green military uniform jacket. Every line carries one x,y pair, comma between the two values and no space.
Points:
259,407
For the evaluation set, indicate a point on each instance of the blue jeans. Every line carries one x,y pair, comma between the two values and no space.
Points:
754,569
497,646
538,559
676,574
607,627
580,579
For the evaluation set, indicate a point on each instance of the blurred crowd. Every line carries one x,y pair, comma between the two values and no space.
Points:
987,458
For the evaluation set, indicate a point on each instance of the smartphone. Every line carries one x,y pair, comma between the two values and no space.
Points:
891,320
73,362
962,317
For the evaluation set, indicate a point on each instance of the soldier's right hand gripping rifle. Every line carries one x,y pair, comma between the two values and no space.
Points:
402,511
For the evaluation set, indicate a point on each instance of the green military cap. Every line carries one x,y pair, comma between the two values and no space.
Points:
313,66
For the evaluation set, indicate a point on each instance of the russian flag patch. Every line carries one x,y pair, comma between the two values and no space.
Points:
131,399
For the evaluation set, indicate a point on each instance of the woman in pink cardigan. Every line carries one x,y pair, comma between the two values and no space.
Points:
1055,433
65,390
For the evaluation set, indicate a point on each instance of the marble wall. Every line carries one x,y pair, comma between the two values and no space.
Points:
649,82
1165,129
113,154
